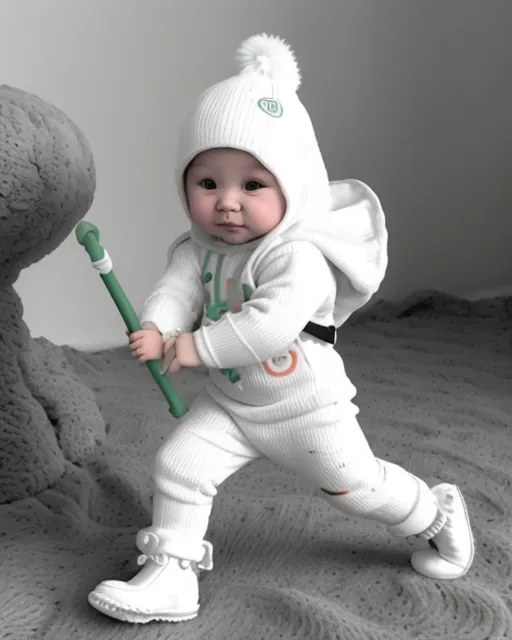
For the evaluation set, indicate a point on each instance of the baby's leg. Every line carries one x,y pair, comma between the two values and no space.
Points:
200,454
328,448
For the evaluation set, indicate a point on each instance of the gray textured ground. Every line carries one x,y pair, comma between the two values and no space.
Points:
435,391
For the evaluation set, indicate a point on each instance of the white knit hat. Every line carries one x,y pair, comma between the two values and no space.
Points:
258,111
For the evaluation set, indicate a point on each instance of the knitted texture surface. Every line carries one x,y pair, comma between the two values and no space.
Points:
434,377
47,184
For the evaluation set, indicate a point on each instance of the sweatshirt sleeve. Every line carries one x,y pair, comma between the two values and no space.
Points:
177,298
292,284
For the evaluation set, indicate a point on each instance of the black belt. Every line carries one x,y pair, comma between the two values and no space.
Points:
327,334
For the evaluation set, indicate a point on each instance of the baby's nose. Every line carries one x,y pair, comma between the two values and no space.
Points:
228,202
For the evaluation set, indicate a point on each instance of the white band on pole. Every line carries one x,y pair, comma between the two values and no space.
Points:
104,265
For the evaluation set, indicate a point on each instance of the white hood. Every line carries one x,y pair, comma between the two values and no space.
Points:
352,236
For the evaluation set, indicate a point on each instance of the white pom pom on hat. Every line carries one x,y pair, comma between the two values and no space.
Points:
269,56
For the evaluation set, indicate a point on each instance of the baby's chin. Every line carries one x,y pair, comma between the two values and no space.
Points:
239,235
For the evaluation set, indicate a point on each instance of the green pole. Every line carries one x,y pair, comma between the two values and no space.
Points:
88,236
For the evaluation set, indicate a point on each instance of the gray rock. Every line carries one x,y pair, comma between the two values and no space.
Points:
47,184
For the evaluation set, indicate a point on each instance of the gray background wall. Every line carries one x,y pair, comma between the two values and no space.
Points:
412,96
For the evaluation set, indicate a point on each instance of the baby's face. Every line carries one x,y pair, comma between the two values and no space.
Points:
232,196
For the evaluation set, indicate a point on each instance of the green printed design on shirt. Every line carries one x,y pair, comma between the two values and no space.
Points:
247,291
216,309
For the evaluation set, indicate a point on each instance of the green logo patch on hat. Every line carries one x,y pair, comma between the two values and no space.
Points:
271,107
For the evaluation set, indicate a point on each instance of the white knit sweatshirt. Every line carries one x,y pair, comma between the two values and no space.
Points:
253,301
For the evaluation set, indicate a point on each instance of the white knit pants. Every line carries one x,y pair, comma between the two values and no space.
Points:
326,447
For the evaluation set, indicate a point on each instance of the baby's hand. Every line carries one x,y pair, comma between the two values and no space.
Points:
180,352
147,344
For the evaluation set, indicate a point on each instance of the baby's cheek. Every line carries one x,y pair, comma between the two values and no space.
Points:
199,213
269,220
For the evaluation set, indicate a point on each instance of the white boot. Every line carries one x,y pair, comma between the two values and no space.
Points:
166,588
453,546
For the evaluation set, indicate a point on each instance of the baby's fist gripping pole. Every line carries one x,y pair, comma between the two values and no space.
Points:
88,236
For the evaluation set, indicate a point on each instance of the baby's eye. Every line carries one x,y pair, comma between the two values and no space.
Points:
253,185
208,183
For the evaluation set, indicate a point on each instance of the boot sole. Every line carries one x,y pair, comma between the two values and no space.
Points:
124,614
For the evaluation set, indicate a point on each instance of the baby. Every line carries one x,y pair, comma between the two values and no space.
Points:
276,260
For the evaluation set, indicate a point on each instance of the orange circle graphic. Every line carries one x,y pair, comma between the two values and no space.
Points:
278,370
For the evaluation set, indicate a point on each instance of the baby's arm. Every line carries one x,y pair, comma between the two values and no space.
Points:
177,298
292,285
